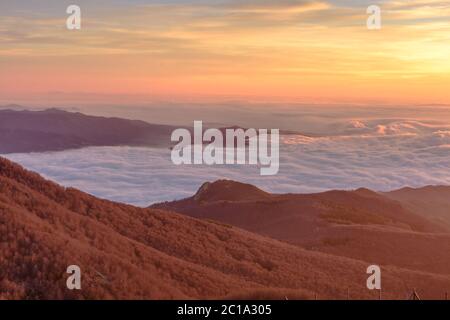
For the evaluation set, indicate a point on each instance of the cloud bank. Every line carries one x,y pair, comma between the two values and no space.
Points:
377,154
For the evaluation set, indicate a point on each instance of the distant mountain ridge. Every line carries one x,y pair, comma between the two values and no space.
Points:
55,130
23,130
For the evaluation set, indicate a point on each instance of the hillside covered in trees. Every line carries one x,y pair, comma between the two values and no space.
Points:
126,252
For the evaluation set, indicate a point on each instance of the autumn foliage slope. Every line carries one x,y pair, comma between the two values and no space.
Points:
126,252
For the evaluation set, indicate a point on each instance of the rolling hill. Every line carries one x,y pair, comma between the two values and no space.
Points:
432,202
359,224
127,252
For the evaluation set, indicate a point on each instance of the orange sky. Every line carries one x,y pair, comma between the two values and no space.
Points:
305,50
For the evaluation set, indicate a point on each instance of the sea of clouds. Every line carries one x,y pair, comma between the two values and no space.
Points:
377,154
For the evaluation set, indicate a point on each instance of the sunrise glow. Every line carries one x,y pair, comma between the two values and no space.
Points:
306,50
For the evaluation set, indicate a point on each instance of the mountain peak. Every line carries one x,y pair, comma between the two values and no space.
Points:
229,190
366,192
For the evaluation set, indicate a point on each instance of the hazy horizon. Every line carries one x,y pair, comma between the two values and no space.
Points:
339,149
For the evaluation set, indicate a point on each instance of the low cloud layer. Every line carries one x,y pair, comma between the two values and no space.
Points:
377,154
